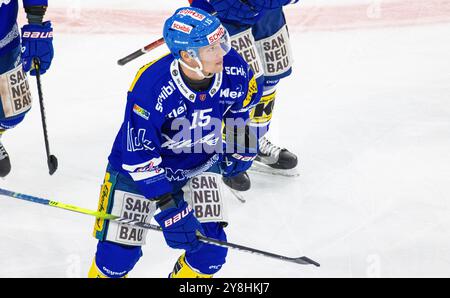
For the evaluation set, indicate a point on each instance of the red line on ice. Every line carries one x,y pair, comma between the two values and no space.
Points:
386,14
300,17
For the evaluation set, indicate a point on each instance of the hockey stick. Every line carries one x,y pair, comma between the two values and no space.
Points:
52,161
141,52
123,220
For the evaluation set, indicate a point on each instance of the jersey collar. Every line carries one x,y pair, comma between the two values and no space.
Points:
185,90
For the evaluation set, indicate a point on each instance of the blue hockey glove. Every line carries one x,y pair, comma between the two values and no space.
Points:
235,163
235,10
180,226
37,42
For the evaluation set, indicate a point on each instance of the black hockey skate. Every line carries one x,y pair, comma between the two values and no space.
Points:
240,182
275,160
5,164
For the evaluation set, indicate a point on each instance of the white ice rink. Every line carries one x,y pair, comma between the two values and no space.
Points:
367,110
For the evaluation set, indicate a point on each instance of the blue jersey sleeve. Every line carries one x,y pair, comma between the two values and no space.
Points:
141,139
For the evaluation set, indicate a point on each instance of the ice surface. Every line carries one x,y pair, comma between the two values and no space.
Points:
367,110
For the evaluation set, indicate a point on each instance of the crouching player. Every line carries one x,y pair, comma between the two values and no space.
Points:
169,155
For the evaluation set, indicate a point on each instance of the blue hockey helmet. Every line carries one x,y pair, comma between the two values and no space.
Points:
190,29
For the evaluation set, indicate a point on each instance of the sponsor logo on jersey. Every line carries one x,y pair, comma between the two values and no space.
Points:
177,112
137,142
141,112
202,97
180,175
262,113
151,167
181,27
235,71
216,35
180,85
184,89
211,140
145,170
193,14
166,91
217,84
230,94
177,175
143,167
252,89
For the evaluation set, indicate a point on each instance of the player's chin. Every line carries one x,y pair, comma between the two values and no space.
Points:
218,67
214,66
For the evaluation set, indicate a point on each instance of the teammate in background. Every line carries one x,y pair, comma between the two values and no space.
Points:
259,33
16,58
169,154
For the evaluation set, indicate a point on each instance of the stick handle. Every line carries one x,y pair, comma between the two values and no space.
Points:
52,161
37,67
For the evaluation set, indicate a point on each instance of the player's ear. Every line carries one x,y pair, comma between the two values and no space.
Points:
186,56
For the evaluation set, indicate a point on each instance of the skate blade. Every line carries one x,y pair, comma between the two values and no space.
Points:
260,168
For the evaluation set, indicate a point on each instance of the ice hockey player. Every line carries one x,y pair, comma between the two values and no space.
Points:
259,33
16,59
168,158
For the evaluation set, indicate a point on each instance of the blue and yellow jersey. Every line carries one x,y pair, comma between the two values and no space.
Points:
170,132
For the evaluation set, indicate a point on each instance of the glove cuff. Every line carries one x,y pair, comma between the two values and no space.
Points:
35,14
165,202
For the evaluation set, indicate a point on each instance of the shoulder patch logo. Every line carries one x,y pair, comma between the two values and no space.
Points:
141,112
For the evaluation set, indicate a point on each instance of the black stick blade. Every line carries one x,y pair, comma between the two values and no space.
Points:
52,163
305,261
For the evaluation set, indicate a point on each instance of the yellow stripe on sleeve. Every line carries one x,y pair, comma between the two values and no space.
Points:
142,70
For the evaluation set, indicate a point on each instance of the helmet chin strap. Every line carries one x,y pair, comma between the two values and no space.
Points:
198,70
